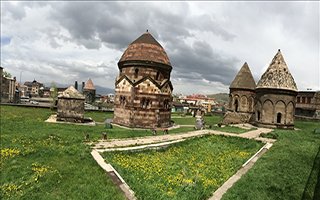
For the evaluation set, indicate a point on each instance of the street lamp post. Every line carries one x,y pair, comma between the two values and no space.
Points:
20,77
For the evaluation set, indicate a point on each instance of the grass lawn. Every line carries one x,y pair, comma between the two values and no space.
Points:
99,116
51,161
289,170
48,161
192,169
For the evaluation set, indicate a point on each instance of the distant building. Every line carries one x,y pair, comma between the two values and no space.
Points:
202,101
23,89
143,87
308,104
7,88
180,107
46,92
89,91
110,97
34,88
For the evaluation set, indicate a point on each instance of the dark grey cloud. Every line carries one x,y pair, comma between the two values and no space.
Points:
201,61
207,42
116,24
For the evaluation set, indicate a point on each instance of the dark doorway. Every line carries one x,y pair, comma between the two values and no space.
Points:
258,113
279,118
236,105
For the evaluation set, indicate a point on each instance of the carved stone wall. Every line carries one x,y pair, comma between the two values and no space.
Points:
236,118
143,88
275,108
143,98
70,110
241,101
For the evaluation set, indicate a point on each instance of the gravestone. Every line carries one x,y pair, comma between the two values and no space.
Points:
108,123
199,120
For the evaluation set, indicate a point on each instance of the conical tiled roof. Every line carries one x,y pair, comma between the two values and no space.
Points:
277,75
89,85
71,92
145,48
244,79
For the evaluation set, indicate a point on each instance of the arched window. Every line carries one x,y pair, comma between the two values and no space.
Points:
142,103
236,105
145,103
122,100
279,118
166,104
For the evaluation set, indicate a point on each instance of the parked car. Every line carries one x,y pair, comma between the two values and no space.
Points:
24,99
34,102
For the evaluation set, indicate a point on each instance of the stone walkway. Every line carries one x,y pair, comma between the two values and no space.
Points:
116,143
159,141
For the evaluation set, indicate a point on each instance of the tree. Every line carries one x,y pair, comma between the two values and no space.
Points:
7,74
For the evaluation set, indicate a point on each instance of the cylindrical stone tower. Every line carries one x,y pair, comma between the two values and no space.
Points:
143,88
276,96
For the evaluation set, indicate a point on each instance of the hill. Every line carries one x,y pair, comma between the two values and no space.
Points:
99,89
220,97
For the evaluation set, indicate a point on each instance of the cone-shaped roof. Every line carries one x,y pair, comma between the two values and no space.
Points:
71,92
244,79
277,75
145,48
89,85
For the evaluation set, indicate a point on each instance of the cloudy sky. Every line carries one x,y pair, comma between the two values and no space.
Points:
207,42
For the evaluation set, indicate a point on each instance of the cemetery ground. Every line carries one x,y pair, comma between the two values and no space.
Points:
52,161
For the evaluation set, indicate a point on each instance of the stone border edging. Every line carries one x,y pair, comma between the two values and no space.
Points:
114,175
266,146
142,147
158,143
217,195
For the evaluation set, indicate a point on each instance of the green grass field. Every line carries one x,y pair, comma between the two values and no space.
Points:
48,161
52,161
283,172
192,169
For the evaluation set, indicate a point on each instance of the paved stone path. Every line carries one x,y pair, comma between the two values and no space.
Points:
116,143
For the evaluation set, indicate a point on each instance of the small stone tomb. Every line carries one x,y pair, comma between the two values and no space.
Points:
71,106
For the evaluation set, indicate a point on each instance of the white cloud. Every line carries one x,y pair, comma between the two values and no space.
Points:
207,42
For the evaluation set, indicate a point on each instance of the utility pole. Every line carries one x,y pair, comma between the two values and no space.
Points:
20,77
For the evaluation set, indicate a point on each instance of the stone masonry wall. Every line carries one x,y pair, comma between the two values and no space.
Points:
71,110
275,108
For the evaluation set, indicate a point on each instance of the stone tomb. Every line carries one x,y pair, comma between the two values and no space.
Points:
71,106
143,88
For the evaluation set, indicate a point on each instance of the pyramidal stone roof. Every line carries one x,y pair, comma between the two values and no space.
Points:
89,85
244,79
145,48
277,75
71,92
